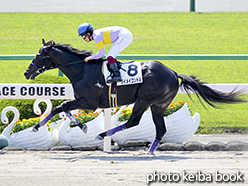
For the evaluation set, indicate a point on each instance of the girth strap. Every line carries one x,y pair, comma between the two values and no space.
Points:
113,95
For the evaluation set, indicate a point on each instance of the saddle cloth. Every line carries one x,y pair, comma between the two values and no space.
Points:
130,73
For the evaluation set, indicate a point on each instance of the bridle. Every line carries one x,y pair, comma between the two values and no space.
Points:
42,69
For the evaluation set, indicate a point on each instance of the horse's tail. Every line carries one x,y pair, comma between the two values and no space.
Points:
191,83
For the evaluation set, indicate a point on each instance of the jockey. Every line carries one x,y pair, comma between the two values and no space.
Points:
119,36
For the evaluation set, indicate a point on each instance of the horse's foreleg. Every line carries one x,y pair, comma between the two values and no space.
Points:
41,123
66,107
76,121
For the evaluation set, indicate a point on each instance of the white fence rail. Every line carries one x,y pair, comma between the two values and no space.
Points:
65,91
226,87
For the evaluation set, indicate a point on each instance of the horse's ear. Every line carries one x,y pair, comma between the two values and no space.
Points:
43,41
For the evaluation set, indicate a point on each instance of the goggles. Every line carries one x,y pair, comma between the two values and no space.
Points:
84,36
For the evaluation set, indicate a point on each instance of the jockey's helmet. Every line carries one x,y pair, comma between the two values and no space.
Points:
84,28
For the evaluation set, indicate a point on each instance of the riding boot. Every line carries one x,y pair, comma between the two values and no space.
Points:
116,73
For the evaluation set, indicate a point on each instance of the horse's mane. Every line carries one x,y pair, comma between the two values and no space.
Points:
68,48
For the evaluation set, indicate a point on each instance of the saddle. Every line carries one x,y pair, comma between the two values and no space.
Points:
130,72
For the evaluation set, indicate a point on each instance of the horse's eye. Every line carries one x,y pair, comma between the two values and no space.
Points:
40,70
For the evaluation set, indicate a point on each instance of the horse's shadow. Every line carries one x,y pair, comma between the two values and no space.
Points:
120,157
136,158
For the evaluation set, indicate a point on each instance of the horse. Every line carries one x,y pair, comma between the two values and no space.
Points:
159,87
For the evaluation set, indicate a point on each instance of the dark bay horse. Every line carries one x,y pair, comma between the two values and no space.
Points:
160,86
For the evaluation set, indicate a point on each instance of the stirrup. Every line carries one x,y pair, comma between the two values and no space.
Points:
114,79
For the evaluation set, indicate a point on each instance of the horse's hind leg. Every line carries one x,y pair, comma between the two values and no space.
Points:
138,110
158,119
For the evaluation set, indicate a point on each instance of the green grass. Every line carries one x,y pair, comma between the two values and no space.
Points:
154,33
158,33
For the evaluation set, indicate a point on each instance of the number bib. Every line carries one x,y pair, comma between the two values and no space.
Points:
130,73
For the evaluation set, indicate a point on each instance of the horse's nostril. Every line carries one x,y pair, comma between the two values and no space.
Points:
25,73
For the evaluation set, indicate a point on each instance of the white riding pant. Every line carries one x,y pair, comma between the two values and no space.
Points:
125,38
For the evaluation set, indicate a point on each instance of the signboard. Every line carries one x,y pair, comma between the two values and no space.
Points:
36,91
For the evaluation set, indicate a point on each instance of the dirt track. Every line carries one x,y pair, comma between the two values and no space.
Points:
26,168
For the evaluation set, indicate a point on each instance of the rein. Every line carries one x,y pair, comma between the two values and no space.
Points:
71,63
42,69
48,60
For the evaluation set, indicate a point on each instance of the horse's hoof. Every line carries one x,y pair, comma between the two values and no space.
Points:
83,127
149,153
99,137
33,130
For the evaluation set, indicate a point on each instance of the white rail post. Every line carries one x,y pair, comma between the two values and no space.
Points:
107,126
